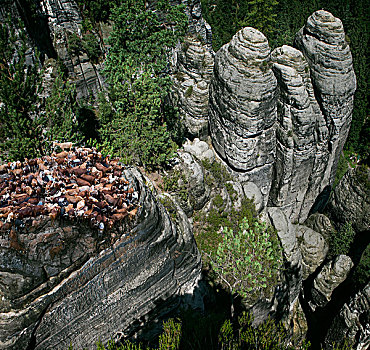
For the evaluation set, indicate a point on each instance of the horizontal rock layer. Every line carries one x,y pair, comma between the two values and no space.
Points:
242,111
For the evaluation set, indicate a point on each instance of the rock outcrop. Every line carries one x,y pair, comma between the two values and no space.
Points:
322,41
64,19
329,278
301,146
242,111
194,69
352,324
313,247
350,201
144,266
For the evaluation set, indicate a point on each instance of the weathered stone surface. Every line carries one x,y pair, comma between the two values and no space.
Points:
243,107
199,149
292,253
197,24
191,190
329,278
76,281
350,201
192,76
322,41
321,224
352,323
313,248
301,147
64,20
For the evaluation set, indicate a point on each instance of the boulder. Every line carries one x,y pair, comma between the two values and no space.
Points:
291,251
321,224
199,149
69,281
329,278
313,248
242,107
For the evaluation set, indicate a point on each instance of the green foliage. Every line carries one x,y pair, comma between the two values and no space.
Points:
136,132
138,126
144,35
362,270
74,44
340,242
60,116
92,48
96,10
228,16
269,335
248,260
20,84
170,338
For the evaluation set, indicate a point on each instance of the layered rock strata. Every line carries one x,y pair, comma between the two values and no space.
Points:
301,146
352,324
329,278
191,85
143,266
242,110
64,20
322,41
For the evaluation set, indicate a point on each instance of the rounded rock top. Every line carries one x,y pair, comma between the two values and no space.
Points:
326,27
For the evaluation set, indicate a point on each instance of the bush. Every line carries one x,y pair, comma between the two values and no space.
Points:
340,242
248,261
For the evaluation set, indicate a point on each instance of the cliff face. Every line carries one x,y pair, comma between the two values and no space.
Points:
64,282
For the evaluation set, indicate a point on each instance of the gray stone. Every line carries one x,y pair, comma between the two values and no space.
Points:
301,152
313,248
321,224
199,149
291,251
191,80
322,41
352,323
242,111
143,268
329,278
350,200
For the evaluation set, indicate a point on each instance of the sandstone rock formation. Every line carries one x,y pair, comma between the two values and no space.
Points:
322,41
329,278
313,248
194,69
352,324
64,20
350,201
321,224
242,110
301,149
143,266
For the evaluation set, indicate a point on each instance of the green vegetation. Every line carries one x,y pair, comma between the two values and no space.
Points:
139,127
226,17
247,261
362,270
340,242
28,122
